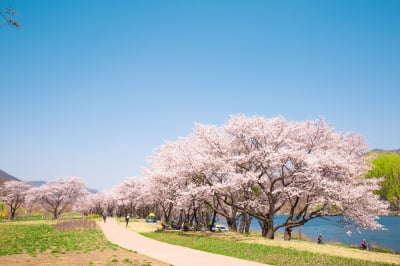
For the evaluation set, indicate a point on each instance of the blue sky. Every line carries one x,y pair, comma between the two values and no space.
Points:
90,88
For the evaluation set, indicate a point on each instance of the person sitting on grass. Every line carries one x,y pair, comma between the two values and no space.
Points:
163,225
364,244
319,239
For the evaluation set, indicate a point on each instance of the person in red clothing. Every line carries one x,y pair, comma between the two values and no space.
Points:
364,244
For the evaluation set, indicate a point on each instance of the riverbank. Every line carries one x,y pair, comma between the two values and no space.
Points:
334,231
286,248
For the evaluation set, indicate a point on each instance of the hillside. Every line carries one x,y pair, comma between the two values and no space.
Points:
386,151
39,183
6,177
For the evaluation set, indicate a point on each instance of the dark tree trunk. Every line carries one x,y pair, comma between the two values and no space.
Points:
245,222
12,213
214,217
267,228
231,221
288,233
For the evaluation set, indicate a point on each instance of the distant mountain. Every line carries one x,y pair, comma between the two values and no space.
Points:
4,177
92,190
386,151
36,183
40,183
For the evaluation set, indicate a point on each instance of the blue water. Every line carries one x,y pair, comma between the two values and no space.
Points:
332,231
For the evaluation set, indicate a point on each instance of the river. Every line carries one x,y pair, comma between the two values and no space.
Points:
332,231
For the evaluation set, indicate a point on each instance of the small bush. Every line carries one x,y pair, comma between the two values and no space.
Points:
93,216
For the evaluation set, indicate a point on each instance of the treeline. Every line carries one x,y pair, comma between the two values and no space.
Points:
254,167
387,166
249,168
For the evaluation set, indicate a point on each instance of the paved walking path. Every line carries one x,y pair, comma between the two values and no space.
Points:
176,255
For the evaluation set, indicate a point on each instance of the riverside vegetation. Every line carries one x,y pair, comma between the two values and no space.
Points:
275,252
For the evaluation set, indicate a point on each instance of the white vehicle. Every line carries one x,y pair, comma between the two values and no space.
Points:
220,228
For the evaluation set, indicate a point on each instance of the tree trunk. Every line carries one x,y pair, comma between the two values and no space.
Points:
231,223
214,217
245,223
242,224
267,228
270,233
288,233
12,213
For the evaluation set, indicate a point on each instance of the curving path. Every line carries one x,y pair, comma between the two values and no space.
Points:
175,255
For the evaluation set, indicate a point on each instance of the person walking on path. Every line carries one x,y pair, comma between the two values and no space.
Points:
175,255
104,217
127,220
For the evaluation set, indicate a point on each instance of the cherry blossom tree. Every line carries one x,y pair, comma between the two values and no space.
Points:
108,201
271,163
87,204
56,197
92,203
128,193
165,179
13,193
325,181
177,176
258,167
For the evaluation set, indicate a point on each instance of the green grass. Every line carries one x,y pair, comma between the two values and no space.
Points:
27,218
64,216
35,237
255,252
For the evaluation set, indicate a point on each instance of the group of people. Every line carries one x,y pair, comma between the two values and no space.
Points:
364,242
104,215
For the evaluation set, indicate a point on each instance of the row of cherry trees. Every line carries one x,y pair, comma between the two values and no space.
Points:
252,167
54,197
257,167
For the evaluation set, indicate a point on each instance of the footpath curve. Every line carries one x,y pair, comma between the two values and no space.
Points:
175,255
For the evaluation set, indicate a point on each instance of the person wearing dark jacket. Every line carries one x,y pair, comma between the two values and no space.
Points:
319,239
127,220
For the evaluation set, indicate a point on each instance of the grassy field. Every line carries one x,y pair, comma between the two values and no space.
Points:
256,252
276,252
35,237
74,242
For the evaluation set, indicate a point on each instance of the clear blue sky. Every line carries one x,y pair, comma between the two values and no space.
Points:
90,88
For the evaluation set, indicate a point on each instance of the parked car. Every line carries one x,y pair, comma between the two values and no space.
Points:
219,228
